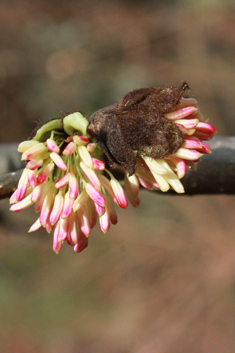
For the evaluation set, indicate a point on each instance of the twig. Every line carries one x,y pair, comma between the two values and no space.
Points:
215,173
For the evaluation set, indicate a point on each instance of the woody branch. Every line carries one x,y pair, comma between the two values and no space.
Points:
215,173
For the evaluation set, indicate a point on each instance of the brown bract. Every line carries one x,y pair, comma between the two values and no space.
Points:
137,123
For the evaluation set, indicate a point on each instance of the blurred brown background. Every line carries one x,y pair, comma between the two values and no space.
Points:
163,279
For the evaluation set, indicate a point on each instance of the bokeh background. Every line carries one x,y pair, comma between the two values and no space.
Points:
163,279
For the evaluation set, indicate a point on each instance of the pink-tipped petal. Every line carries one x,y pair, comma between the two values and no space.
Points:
46,189
37,193
68,206
95,195
33,152
81,245
34,164
57,209
56,244
74,228
62,181
22,185
202,135
45,172
205,148
98,164
83,221
64,229
191,144
32,178
58,161
119,193
47,206
26,202
181,113
180,166
52,146
73,186
90,147
104,222
80,140
206,128
91,175
69,149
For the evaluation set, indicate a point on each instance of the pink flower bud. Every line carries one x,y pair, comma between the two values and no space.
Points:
73,186
95,195
26,202
58,161
98,164
119,193
45,172
33,151
68,206
34,164
57,208
52,146
83,221
62,181
69,149
91,175
181,113
80,140
81,245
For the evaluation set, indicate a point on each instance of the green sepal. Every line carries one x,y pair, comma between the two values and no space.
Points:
75,122
70,124
44,132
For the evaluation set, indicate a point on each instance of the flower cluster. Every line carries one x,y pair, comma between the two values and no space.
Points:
166,173
64,178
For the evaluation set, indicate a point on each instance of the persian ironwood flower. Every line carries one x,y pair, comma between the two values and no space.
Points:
67,158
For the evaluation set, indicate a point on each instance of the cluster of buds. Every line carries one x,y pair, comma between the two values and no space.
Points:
63,179
166,173
69,184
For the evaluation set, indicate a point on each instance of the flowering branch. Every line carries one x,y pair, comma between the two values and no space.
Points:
215,173
154,136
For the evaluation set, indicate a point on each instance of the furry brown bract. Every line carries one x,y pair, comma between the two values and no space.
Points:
137,124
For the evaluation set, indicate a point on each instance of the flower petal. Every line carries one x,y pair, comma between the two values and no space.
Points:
58,161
